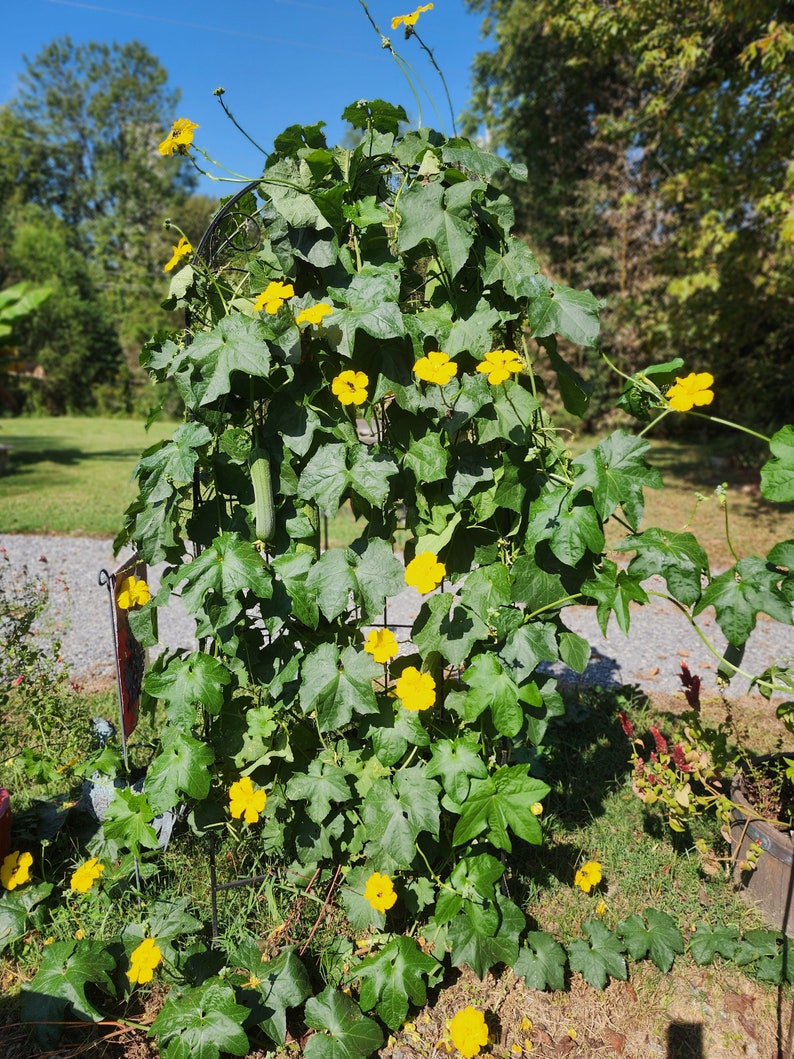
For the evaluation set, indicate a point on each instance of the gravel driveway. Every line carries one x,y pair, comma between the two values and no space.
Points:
660,636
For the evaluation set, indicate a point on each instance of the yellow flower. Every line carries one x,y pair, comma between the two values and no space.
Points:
588,876
425,572
379,891
410,20
469,1031
252,983
601,908
273,297
179,138
436,367
691,391
314,314
182,249
350,387
415,690
86,875
143,961
246,801
15,870
382,645
132,593
536,809
499,365
79,934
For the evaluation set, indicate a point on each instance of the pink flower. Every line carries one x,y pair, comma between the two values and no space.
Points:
679,759
659,739
626,724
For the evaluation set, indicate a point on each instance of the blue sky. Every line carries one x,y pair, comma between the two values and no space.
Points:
281,61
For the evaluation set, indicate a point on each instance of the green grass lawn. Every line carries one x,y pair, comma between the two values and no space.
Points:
71,476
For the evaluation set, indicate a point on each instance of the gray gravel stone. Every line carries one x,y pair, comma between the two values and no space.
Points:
660,639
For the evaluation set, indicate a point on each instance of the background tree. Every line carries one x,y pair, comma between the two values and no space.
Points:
80,146
658,141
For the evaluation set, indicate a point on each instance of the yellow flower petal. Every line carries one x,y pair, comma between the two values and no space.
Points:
436,367
694,390
143,961
425,572
246,801
382,645
273,297
499,365
588,876
410,20
314,314
84,877
182,249
350,387
15,870
469,1031
416,691
179,139
379,891
132,592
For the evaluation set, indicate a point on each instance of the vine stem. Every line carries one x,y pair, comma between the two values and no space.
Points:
736,670
440,73
729,423
219,96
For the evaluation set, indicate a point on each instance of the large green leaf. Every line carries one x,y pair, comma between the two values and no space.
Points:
661,938
379,574
491,687
279,984
128,821
330,581
201,1023
395,813
512,266
676,556
369,473
707,941
741,593
448,628
180,769
456,762
395,976
480,949
337,686
197,678
542,962
171,463
614,591
598,955
66,968
615,471
429,213
502,801
527,646
321,784
224,571
324,478
568,312
16,907
777,474
236,344
371,304
343,1031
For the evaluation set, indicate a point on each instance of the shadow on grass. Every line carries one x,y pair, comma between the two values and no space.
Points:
27,453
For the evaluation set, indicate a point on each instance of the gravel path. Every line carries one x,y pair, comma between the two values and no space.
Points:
660,636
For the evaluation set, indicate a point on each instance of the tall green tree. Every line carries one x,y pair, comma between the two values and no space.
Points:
80,144
657,135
